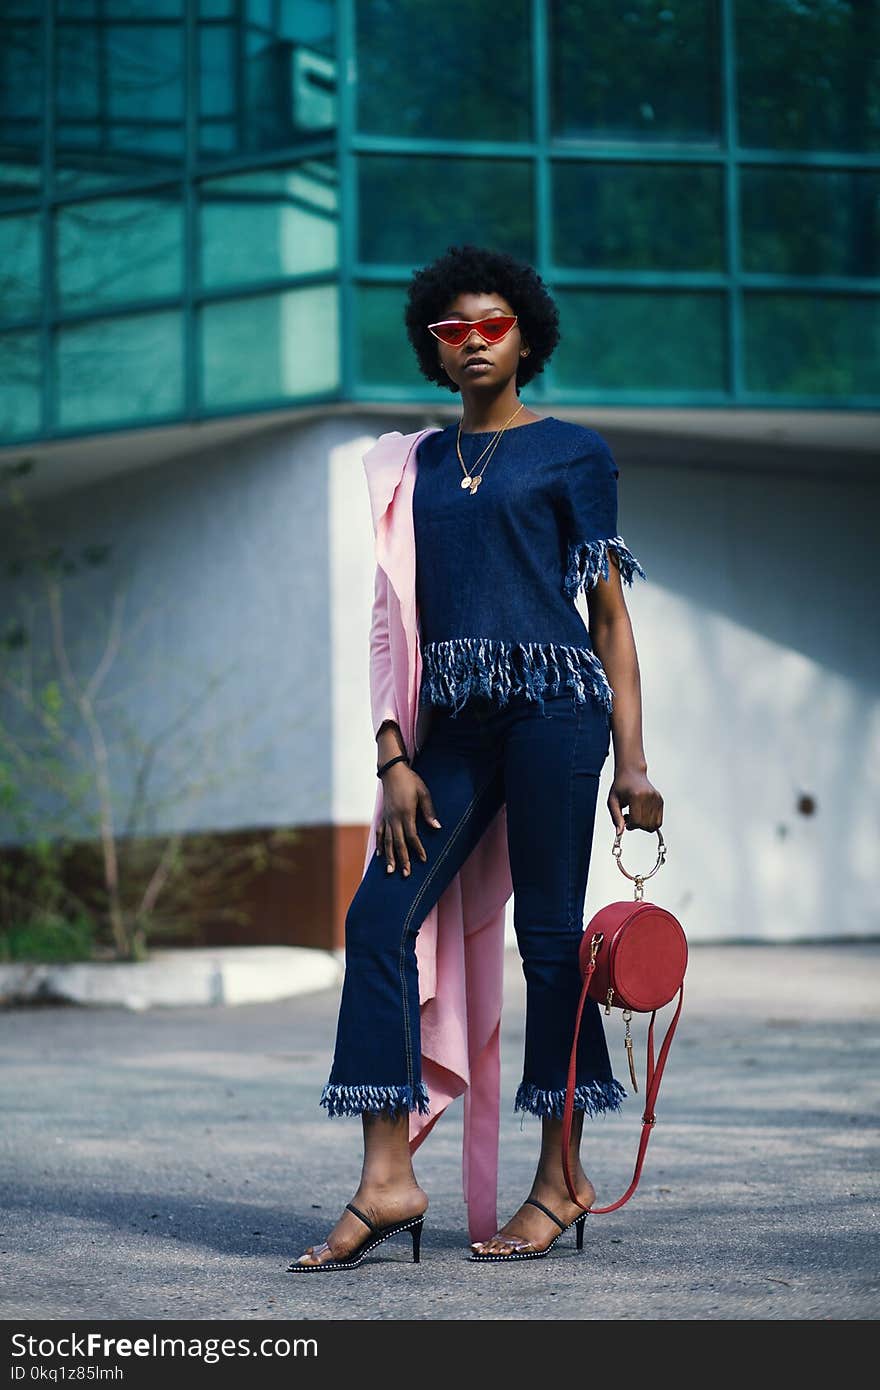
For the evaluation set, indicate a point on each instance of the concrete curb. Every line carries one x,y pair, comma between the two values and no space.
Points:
176,978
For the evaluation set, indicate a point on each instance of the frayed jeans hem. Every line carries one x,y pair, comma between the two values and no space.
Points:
375,1100
593,1097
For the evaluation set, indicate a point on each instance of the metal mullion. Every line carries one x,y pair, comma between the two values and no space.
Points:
190,329
639,154
735,342
377,273
714,280
471,149
640,279
130,188
278,285
239,71
381,273
23,205
269,159
543,211
851,162
862,287
75,318
349,208
30,324
75,21
169,302
46,363
525,149
146,183
103,88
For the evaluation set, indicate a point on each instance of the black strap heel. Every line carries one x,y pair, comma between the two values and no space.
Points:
377,1235
526,1254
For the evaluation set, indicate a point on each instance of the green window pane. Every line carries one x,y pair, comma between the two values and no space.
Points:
411,209
384,356
275,222
21,107
270,347
267,76
20,255
812,345
20,170
808,74
456,71
120,370
637,216
646,70
19,385
217,140
216,72
639,341
119,101
21,70
810,221
119,249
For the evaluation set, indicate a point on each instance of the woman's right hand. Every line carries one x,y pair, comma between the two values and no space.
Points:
396,834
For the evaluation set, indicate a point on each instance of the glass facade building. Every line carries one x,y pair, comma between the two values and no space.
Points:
210,207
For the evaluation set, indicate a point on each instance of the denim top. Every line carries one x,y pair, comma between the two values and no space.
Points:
498,570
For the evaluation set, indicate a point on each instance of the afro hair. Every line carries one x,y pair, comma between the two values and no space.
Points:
469,269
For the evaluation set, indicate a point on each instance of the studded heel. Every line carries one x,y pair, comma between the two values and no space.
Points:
524,1249
377,1236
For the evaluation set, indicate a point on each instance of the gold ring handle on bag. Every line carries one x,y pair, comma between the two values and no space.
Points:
638,879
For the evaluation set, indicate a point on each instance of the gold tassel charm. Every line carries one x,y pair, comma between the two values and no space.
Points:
628,1042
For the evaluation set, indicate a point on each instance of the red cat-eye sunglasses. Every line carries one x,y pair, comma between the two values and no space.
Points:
454,332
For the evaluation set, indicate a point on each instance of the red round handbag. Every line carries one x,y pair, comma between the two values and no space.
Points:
633,957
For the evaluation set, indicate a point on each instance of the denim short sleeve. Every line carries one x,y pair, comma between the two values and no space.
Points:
590,493
590,519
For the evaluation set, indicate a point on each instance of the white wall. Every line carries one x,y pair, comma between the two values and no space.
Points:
757,640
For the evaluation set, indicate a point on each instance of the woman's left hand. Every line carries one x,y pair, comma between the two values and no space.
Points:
632,789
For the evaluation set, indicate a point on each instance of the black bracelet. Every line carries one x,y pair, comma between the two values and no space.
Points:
401,758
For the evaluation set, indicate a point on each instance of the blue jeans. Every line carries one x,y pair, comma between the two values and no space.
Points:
545,764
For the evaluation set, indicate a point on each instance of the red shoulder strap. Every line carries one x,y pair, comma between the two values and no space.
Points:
654,1076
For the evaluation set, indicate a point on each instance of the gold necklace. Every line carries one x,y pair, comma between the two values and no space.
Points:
473,480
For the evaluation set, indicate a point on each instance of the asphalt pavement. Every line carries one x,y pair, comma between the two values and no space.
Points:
168,1164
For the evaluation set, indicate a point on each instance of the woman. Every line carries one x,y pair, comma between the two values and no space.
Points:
513,513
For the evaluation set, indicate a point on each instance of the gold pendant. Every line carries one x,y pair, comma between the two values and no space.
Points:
465,482
475,483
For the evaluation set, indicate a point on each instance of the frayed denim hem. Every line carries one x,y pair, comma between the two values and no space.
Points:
595,1097
458,668
375,1100
588,559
